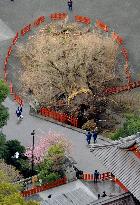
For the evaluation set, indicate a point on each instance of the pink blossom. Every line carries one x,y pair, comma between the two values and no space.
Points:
41,148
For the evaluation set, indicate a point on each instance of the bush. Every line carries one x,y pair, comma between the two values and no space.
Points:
4,90
4,115
52,177
2,145
89,125
131,126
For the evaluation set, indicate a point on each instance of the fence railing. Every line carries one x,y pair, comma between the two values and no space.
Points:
104,176
61,117
44,187
90,177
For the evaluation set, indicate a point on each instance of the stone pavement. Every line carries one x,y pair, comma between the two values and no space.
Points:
121,15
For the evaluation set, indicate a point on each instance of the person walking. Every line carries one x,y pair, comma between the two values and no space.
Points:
95,136
70,5
96,176
18,113
88,135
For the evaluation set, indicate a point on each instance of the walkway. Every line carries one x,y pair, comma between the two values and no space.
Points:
22,131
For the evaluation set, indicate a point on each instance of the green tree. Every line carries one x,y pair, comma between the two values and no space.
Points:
130,126
22,163
9,193
13,146
2,145
52,166
4,90
11,172
4,115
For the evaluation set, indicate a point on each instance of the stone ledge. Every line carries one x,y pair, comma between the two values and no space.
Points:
67,126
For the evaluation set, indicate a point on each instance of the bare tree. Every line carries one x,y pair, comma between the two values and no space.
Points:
66,59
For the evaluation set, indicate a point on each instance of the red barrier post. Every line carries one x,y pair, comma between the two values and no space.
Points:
6,60
11,87
101,25
26,29
39,21
15,39
9,51
125,53
5,76
117,38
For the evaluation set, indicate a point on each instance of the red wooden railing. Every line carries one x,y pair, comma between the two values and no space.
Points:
104,176
61,117
129,86
90,177
44,187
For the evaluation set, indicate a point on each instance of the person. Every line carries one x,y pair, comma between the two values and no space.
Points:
18,112
20,108
70,4
95,136
104,194
98,196
88,137
96,176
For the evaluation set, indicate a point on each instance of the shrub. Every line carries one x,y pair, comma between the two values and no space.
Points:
89,125
130,126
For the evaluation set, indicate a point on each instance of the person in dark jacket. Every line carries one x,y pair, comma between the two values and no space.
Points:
18,113
70,4
88,135
96,176
95,136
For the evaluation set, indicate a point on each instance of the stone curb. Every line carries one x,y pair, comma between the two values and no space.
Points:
67,126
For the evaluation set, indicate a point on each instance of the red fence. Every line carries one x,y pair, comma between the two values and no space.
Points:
90,177
122,88
86,20
101,25
58,16
83,19
61,117
117,38
44,187
104,176
23,31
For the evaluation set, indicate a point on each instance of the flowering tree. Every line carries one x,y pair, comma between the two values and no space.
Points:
45,143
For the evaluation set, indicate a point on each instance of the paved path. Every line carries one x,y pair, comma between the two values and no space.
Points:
121,15
22,131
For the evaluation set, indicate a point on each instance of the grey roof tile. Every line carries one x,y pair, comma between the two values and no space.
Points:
122,163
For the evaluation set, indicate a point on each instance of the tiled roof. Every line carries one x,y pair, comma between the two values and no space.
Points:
122,162
77,196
